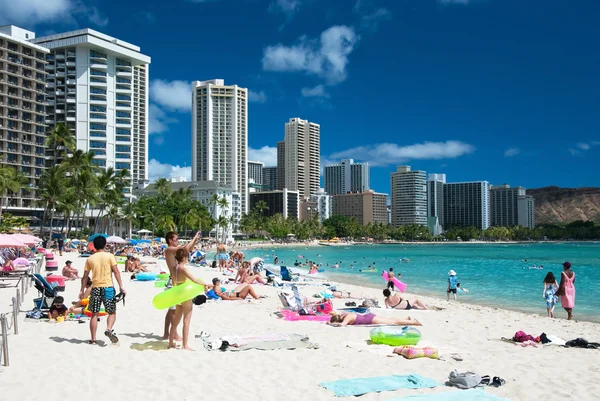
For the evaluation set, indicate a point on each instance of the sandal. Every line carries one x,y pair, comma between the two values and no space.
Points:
485,381
112,336
120,297
350,303
497,382
92,342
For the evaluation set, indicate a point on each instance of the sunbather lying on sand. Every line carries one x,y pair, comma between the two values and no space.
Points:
397,302
241,291
355,319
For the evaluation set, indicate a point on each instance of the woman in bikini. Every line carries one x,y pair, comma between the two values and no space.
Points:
241,291
397,302
356,319
184,309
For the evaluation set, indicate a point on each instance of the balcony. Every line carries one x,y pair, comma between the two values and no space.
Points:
71,100
71,118
71,81
98,64
70,64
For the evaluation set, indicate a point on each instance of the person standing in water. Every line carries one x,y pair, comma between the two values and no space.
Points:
390,284
566,290
173,246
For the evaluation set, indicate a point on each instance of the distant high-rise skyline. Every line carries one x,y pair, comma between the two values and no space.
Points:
255,171
346,176
466,204
302,157
408,192
220,135
269,178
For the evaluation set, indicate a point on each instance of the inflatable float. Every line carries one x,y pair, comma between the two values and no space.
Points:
145,276
399,285
87,312
176,295
395,335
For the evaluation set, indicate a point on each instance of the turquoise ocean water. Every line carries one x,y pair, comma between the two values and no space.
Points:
495,274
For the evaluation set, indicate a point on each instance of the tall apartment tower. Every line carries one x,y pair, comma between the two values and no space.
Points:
435,196
346,177
467,204
302,157
526,211
220,135
269,178
280,165
504,209
22,110
98,86
408,196
255,171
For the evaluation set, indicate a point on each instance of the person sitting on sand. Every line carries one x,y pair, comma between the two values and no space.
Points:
356,319
240,292
58,308
70,272
78,307
396,301
251,276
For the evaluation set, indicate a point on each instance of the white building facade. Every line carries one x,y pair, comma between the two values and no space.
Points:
22,111
98,86
220,135
346,176
302,157
408,196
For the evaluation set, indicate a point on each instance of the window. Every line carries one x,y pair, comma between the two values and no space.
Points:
121,166
123,97
94,53
124,114
98,91
97,116
98,162
123,148
98,152
123,131
123,87
123,139
98,108
120,121
98,73
123,80
97,80
98,98
123,62
96,126
98,134
96,144
122,156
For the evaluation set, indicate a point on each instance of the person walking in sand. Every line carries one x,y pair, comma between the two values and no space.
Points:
184,310
172,239
102,266
452,284
549,293
566,290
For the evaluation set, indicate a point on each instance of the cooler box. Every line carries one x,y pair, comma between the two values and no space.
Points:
56,281
51,265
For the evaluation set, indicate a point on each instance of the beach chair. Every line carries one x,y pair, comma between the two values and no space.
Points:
46,291
286,275
294,300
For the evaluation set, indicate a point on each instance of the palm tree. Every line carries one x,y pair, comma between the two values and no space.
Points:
60,139
10,181
83,180
53,192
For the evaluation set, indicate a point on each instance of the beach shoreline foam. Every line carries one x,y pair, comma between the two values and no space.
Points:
140,365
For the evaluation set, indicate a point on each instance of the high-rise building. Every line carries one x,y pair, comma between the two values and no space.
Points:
318,204
255,176
435,202
504,209
408,196
284,202
346,176
526,211
22,111
269,178
280,165
302,157
366,207
98,86
466,204
220,135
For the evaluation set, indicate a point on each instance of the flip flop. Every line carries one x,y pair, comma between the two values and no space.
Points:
497,382
112,336
120,297
485,381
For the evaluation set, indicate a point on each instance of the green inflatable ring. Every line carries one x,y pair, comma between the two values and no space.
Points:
177,295
160,284
163,276
395,335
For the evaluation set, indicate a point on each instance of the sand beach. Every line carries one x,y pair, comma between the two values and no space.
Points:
50,357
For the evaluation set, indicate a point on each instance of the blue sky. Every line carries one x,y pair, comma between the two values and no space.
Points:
501,90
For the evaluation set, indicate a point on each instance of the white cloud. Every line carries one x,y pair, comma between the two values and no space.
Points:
257,97
326,57
174,95
448,2
266,154
317,91
511,152
158,120
371,21
384,154
158,170
287,7
31,12
583,146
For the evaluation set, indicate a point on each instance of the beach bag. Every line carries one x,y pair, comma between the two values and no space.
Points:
325,307
463,380
521,337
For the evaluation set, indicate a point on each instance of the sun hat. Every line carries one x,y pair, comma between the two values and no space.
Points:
452,273
567,265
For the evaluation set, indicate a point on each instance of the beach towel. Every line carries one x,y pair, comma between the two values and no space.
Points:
466,395
377,384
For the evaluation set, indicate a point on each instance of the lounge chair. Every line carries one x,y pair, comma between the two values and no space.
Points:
47,292
286,274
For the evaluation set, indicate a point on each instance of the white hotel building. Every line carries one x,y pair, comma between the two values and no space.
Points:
98,86
220,136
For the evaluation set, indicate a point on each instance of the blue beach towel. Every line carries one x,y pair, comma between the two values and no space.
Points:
457,395
356,387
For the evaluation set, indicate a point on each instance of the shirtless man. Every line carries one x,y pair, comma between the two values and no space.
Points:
173,245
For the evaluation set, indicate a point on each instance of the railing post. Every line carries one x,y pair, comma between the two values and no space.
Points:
15,316
4,334
18,297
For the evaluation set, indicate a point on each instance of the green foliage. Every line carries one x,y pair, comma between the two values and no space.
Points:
10,223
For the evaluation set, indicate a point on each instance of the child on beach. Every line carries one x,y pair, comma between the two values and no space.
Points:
58,308
452,284
180,275
550,288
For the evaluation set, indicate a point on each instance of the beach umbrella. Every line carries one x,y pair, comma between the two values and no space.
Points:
198,254
9,241
75,241
27,239
115,239
91,238
137,248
